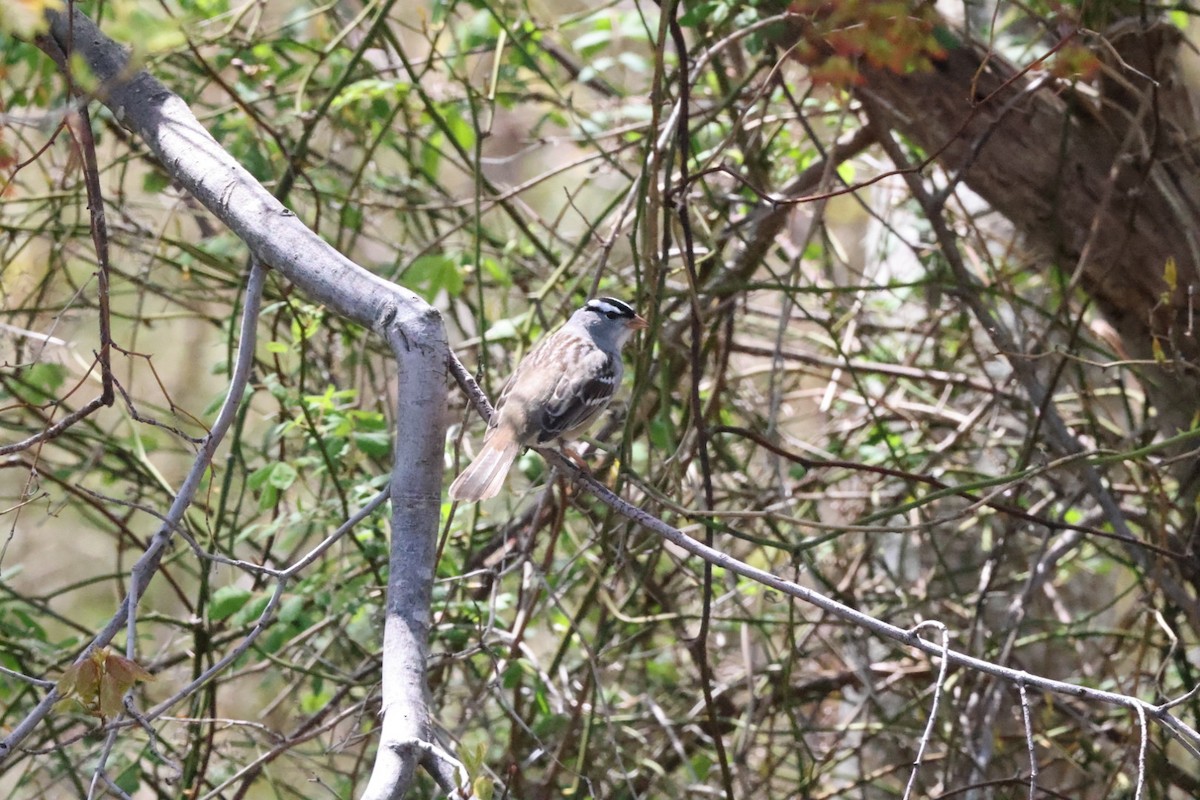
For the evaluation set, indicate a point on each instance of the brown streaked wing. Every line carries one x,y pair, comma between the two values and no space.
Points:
574,404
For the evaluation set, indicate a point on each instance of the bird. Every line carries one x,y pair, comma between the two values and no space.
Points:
556,392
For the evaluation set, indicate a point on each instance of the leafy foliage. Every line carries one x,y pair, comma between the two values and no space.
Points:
893,35
815,398
99,683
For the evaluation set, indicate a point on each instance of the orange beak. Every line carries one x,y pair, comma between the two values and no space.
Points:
638,323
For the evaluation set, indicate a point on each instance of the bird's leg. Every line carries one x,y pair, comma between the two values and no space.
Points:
569,450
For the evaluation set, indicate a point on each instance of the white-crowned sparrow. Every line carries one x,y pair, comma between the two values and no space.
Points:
556,392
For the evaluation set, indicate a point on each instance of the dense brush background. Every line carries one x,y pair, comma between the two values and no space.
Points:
858,431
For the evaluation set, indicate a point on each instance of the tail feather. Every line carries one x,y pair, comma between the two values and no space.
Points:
484,476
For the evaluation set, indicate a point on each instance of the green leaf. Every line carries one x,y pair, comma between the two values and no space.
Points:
314,702
711,13
363,628
511,677
252,610
258,479
506,328
592,42
430,274
431,154
352,217
946,38
702,765
291,609
226,601
127,779
496,272
42,381
461,129
282,476
1171,273
272,478
154,182
376,444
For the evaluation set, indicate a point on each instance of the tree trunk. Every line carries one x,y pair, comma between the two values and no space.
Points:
1107,186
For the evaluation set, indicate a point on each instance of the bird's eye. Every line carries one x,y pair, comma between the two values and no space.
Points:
613,315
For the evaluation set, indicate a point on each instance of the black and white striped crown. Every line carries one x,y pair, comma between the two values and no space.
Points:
610,307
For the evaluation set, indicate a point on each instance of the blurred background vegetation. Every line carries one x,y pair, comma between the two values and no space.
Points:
816,395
